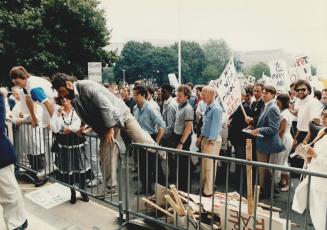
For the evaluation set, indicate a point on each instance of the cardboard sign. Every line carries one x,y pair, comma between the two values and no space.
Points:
228,88
303,67
292,74
279,75
173,80
251,80
94,70
246,221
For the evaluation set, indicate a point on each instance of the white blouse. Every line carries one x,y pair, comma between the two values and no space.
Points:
57,122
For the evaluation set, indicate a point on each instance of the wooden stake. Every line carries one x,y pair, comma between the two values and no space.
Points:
243,110
178,199
249,176
157,207
178,210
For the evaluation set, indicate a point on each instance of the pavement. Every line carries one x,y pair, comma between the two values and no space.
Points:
80,216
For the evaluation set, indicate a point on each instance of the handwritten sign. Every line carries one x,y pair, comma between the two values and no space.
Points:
247,221
228,88
173,80
279,74
303,67
95,71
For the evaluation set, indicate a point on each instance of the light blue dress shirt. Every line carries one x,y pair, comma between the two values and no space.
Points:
148,118
212,121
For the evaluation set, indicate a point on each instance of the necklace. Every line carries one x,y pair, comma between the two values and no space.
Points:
71,118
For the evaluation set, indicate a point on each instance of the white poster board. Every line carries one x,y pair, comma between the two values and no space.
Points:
94,71
251,80
279,75
173,80
292,74
228,88
303,67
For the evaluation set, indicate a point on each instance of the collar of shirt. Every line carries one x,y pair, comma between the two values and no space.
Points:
182,105
141,108
305,100
75,89
269,102
166,102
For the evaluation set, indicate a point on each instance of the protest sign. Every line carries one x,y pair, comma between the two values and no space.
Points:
251,80
94,71
228,88
279,75
303,67
292,74
173,80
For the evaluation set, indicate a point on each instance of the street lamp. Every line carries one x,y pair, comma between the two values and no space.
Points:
124,76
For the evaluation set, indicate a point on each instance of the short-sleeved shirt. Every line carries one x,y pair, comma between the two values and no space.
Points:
309,108
184,113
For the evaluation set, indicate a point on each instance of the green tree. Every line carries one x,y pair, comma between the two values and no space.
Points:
47,36
193,61
257,70
217,53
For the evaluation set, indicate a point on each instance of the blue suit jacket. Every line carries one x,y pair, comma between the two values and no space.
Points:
268,124
7,151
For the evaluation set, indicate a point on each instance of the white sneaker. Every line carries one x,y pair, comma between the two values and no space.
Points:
94,183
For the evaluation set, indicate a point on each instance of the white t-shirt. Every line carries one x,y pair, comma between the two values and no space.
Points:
309,108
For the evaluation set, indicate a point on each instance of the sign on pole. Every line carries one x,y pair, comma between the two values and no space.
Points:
173,80
94,70
303,67
228,88
251,80
279,74
292,73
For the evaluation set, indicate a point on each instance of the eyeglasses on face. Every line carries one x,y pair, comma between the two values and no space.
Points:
301,90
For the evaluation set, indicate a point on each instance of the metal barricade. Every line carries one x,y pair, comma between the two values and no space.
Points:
225,210
71,161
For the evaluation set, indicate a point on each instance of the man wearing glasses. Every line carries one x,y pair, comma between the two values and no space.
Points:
309,109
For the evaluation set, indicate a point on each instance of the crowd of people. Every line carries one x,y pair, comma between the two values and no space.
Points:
165,116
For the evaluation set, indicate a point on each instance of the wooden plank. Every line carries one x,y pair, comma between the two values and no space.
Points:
157,207
174,205
178,199
249,176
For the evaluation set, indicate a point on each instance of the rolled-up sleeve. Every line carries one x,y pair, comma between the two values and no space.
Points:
215,124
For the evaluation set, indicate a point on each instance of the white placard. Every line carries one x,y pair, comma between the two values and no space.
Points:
303,67
279,75
173,80
50,196
292,74
251,80
94,70
228,88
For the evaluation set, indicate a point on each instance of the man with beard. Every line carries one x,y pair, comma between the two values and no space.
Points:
105,114
309,109
324,98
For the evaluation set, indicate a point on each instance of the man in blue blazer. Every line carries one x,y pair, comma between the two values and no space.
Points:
10,196
268,143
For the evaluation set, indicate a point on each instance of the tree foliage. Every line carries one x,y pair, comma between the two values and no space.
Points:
47,36
257,70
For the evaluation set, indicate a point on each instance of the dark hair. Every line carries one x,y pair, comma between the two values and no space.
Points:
141,90
18,72
284,100
249,90
302,82
259,84
270,89
199,88
190,85
60,79
185,89
317,94
291,85
150,90
168,88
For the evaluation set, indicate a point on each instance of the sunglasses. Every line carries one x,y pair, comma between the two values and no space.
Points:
301,90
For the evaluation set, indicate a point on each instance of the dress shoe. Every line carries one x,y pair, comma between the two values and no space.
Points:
39,183
73,196
23,226
85,197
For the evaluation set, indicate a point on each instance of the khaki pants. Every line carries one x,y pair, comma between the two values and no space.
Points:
11,199
135,132
108,157
208,173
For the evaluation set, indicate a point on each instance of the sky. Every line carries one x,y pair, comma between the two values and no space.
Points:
296,26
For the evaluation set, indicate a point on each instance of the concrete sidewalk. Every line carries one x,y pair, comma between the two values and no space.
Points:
80,216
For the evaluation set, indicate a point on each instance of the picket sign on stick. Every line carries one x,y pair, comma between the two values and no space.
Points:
249,176
243,110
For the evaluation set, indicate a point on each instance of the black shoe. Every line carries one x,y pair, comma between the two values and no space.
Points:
39,183
23,226
143,192
73,197
85,197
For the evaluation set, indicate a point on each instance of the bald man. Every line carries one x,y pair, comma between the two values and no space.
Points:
210,139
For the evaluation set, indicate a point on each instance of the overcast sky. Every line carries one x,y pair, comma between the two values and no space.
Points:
297,26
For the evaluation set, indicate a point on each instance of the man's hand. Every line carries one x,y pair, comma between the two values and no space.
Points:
248,120
21,115
255,132
310,153
179,146
198,141
109,136
34,122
